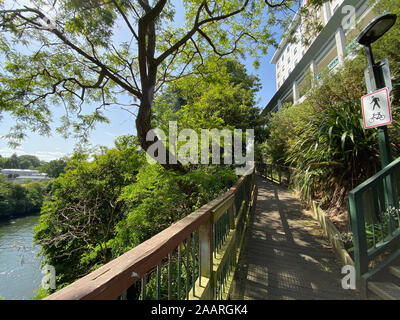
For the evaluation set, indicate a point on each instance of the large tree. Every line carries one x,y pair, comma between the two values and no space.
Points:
65,52
225,98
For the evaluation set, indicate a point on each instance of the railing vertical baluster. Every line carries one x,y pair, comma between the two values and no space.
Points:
179,270
199,256
169,276
221,232
158,280
214,240
398,216
373,233
143,285
231,214
123,296
217,235
217,290
222,229
225,277
187,266
226,224
382,227
193,264
359,236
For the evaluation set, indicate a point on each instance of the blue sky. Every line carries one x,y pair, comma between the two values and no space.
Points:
121,122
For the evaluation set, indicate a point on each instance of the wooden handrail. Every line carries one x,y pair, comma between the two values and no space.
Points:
115,277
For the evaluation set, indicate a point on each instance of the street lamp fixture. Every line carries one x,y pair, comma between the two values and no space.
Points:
376,29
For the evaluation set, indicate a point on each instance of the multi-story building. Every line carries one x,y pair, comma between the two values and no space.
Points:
299,64
23,175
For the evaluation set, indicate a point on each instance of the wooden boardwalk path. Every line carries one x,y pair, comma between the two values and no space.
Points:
286,255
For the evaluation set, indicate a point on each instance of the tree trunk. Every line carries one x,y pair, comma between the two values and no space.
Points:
143,125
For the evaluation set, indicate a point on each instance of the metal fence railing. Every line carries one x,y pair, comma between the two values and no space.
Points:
375,220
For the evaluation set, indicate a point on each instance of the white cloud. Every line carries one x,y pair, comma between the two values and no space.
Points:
110,134
42,155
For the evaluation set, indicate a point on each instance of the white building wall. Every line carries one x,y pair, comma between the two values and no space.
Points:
331,53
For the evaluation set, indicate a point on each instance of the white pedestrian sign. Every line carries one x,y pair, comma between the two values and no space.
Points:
376,109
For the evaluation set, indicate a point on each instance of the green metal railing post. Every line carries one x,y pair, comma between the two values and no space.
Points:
359,236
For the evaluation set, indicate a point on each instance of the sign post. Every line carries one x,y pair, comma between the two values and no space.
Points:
377,114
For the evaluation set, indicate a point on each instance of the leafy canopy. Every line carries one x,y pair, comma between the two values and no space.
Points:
83,56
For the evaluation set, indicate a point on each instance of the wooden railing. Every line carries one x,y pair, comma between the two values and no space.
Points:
375,220
276,173
195,258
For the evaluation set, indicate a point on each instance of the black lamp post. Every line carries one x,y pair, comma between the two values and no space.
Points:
372,32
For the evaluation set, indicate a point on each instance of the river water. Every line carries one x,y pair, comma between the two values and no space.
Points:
20,272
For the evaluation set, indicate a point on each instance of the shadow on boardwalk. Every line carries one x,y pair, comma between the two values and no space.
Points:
286,255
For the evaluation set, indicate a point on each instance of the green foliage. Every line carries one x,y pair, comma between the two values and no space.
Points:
20,162
282,133
20,199
160,197
104,207
6,207
54,168
225,97
388,45
41,293
382,226
78,64
78,222
28,161
101,209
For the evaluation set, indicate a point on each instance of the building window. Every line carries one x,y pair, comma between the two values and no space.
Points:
295,50
287,50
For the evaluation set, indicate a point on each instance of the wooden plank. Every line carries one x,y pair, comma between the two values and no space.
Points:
395,270
275,264
385,290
